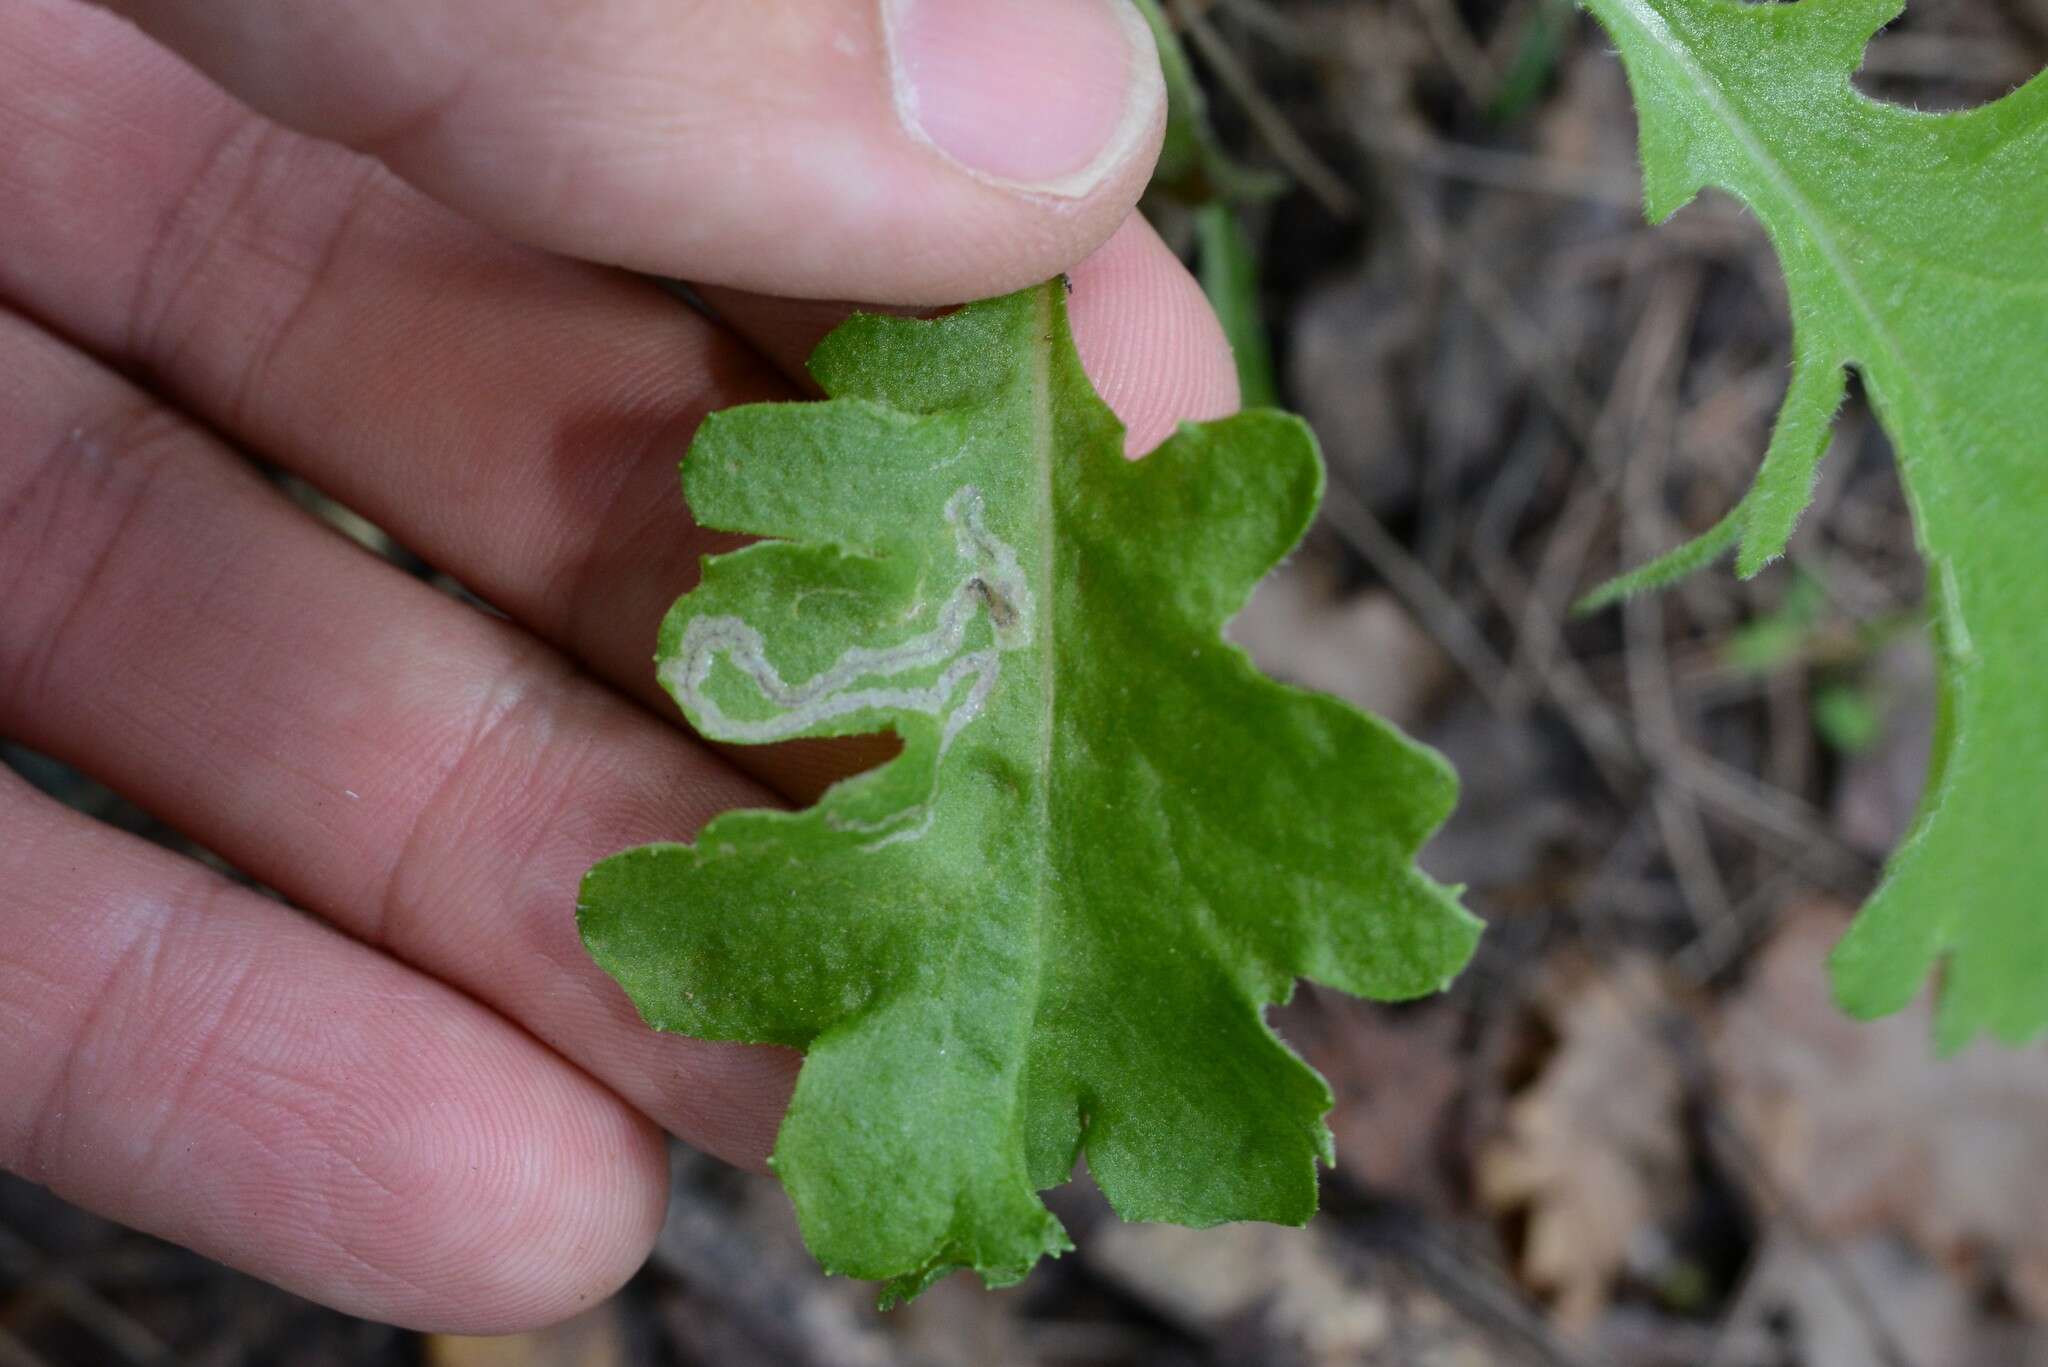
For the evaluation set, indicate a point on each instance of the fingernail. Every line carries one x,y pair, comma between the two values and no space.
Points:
1043,95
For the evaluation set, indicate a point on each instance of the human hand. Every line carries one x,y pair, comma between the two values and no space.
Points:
428,1105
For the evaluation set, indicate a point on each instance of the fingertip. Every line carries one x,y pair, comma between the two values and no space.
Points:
503,1209
594,1241
1149,339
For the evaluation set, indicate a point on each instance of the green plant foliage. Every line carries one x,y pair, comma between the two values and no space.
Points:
1915,247
1193,164
1229,267
1780,636
1196,172
1532,66
1848,719
1048,927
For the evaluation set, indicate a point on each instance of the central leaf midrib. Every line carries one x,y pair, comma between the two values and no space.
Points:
1044,453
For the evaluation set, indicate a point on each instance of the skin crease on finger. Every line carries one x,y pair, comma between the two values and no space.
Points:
478,400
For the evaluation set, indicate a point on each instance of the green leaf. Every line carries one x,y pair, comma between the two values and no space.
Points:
1048,927
1195,170
1193,164
1776,638
1848,718
1915,247
1546,26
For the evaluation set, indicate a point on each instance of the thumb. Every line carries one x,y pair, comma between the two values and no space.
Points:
905,151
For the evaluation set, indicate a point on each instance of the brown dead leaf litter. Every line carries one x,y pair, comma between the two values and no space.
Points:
1881,1140
1591,1155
